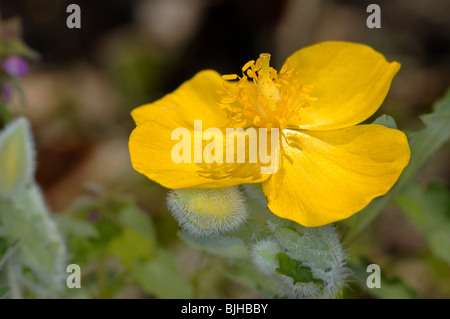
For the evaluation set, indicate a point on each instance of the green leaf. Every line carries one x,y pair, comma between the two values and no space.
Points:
433,136
17,161
160,277
13,44
69,224
246,274
386,120
390,288
41,248
131,246
137,232
393,289
3,291
222,246
7,251
317,248
3,246
428,208
134,218
294,269
5,115
422,144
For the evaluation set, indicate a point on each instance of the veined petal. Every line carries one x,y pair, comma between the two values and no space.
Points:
327,176
350,82
195,99
152,154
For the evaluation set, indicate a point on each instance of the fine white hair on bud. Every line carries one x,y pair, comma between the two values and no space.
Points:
264,255
208,211
317,252
17,157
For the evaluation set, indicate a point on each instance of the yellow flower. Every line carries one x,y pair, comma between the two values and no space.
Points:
329,167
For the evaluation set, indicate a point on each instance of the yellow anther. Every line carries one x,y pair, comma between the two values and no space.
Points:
229,77
263,97
251,74
227,99
248,65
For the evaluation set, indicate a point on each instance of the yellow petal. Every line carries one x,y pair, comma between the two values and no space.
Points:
350,82
151,151
327,176
195,99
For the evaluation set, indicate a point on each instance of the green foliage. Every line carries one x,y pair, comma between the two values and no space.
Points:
113,230
245,273
428,208
13,45
3,247
4,291
119,247
391,287
316,251
386,120
40,249
135,71
5,115
299,273
39,262
160,277
222,246
427,141
423,144
6,251
288,261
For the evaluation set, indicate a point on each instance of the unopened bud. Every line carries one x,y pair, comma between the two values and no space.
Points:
17,161
208,211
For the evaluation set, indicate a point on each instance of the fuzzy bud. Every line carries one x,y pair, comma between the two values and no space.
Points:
208,211
17,163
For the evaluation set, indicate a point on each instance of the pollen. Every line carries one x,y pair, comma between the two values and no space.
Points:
264,97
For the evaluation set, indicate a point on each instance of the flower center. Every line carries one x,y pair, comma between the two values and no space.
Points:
263,97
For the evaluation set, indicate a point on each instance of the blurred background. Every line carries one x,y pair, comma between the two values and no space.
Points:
84,82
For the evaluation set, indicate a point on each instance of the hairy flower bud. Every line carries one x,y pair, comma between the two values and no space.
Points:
208,211
17,163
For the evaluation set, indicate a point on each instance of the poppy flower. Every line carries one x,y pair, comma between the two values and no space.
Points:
329,166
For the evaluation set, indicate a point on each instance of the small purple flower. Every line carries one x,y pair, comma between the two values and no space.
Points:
15,66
